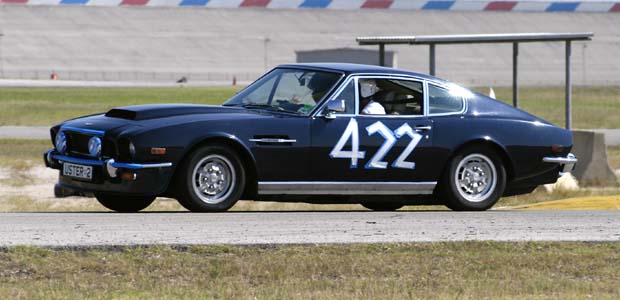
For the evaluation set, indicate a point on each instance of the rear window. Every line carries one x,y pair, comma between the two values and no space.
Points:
442,101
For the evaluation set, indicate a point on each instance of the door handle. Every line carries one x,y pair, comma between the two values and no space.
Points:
423,128
273,141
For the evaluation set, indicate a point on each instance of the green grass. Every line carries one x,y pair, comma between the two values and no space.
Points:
19,156
18,152
593,107
47,106
458,270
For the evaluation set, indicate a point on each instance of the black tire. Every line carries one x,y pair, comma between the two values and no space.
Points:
228,184
125,204
474,180
382,206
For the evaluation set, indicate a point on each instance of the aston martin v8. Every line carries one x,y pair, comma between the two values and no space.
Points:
317,133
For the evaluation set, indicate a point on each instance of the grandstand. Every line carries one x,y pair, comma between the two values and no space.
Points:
216,40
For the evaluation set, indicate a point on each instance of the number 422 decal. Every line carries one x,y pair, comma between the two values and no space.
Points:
376,162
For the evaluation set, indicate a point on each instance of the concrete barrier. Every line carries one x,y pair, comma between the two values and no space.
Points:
592,168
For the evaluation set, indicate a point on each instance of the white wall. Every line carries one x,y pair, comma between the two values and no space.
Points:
162,44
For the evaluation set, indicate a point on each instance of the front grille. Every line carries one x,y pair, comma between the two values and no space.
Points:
108,149
77,142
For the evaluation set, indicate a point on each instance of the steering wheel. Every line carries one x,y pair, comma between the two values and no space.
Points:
288,105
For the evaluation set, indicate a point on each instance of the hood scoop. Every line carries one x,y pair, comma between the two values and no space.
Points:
121,114
144,112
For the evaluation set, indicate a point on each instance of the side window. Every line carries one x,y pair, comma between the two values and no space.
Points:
441,101
391,97
348,95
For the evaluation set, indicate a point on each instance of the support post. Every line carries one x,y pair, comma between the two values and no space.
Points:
382,55
1,62
266,53
431,60
568,92
515,74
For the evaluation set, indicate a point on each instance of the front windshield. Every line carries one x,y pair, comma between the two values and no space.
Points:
288,90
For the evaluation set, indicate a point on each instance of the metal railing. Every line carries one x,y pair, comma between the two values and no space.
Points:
514,38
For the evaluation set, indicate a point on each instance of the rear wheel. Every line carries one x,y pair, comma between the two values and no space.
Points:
212,179
382,206
125,204
474,180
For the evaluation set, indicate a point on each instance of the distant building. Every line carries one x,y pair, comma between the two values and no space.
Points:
346,55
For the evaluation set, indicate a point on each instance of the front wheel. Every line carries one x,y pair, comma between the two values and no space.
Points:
474,180
124,204
211,179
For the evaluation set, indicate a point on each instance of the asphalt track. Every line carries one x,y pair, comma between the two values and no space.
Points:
251,228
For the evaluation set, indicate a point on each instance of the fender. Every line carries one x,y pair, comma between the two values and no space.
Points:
219,136
251,189
488,140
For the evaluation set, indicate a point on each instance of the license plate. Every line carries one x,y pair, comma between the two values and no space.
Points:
77,171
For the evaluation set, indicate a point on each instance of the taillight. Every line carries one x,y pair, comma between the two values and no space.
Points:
557,148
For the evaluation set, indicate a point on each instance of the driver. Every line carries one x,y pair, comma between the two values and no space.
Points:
318,86
368,88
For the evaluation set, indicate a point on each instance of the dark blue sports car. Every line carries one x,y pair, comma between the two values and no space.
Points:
318,133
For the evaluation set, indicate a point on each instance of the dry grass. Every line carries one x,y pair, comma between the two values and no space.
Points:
582,203
25,185
613,157
47,203
15,150
541,195
458,270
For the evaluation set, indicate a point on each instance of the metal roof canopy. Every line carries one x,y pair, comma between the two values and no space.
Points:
514,38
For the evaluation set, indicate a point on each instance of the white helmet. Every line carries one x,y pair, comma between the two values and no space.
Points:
368,87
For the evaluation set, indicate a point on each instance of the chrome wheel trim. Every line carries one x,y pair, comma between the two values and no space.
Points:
475,177
213,178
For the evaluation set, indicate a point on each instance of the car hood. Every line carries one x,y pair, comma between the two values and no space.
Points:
154,111
140,118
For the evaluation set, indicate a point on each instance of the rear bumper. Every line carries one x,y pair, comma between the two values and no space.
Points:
567,163
149,179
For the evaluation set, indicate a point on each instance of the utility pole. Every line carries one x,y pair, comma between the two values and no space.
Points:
266,60
1,62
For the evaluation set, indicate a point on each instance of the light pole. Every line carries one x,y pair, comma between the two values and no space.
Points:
1,63
266,60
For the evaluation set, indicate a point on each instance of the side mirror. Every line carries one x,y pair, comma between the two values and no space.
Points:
335,106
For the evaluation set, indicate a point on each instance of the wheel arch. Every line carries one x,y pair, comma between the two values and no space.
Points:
496,147
245,155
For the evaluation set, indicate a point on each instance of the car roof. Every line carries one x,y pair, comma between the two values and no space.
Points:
360,69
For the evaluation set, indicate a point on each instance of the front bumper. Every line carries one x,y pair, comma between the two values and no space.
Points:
567,163
148,178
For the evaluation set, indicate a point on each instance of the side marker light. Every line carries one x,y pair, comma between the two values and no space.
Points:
158,151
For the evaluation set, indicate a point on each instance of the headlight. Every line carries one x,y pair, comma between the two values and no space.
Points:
61,142
132,150
94,146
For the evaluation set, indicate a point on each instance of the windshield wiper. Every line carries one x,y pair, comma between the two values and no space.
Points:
257,105
271,108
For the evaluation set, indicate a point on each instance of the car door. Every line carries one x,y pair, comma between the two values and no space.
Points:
392,147
278,134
